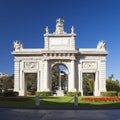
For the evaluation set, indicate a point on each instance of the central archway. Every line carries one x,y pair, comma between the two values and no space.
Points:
59,78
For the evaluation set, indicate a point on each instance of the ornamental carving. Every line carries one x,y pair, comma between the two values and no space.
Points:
89,65
101,45
31,65
18,45
59,26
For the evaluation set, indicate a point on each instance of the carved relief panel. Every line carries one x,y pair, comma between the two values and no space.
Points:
89,65
30,65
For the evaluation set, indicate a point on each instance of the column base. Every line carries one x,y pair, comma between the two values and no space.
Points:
96,93
21,92
60,92
73,90
47,90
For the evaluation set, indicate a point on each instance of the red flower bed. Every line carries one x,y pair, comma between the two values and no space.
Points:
14,99
102,99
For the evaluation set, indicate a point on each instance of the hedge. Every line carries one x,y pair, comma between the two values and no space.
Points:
119,94
31,92
109,94
73,93
44,93
10,93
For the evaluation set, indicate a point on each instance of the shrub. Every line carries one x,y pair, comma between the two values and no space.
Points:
15,94
1,94
119,94
30,92
10,93
73,93
44,93
109,93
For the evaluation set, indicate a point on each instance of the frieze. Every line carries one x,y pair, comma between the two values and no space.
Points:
27,58
91,57
30,65
89,65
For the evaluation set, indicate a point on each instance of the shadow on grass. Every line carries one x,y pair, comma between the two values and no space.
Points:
60,103
69,104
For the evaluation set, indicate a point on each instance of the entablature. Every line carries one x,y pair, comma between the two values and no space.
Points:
93,52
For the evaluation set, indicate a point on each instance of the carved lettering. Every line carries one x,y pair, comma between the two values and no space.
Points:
89,65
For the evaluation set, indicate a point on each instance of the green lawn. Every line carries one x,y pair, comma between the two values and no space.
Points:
61,103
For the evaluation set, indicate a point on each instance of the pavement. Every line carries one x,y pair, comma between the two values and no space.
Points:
56,114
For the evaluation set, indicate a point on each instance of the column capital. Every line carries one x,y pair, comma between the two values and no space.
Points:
17,60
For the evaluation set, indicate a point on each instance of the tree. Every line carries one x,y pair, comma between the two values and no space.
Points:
112,85
88,84
7,82
31,81
55,77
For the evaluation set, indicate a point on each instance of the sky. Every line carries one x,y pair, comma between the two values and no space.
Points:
93,20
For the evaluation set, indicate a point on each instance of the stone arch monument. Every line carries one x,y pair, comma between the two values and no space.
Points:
59,48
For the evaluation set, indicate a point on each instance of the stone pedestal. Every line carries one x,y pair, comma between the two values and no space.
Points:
60,92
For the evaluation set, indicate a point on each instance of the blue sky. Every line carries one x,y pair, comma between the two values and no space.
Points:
93,20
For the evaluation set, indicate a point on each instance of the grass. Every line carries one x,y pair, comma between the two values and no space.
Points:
60,103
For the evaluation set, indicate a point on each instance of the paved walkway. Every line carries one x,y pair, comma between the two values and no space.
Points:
36,114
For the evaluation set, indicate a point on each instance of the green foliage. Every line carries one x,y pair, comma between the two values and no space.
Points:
10,93
112,85
31,81
119,94
55,77
1,94
44,93
7,82
58,103
73,93
29,93
109,94
88,84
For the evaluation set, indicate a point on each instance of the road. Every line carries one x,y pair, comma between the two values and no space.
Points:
37,114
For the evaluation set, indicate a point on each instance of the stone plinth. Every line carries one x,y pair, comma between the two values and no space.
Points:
60,92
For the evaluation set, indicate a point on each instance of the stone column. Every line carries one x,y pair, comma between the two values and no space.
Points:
22,78
38,81
96,85
72,77
81,83
46,76
103,76
16,75
22,83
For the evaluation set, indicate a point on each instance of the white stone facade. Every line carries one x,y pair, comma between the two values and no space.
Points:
59,48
